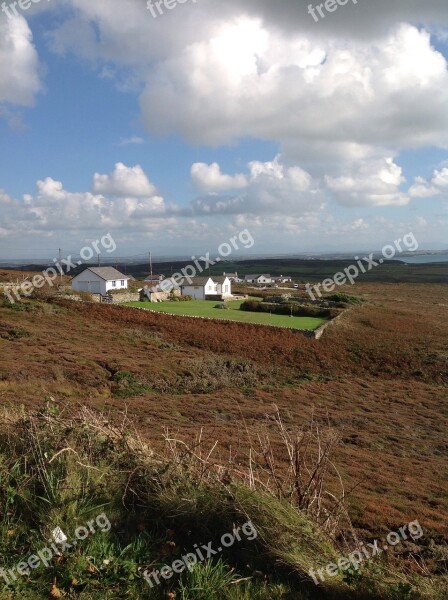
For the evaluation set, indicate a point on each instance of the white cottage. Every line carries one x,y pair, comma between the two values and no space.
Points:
199,288
207,288
100,280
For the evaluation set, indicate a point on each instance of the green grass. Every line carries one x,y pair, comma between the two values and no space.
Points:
201,308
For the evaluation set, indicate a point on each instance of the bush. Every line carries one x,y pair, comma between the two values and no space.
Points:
344,298
174,298
126,385
12,333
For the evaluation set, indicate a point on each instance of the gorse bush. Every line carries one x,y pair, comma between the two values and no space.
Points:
126,385
344,298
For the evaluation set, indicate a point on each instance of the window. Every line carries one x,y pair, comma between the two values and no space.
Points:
114,284
122,283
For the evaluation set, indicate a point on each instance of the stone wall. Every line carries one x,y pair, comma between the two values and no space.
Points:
318,333
119,298
125,297
163,296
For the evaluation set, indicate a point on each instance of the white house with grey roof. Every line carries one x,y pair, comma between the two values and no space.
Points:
100,280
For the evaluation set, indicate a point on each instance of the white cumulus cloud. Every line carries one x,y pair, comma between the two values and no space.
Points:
374,183
270,188
436,186
124,181
210,179
19,64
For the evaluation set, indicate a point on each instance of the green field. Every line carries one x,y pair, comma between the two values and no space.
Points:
201,308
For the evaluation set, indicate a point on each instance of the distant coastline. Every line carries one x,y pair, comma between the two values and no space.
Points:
425,259
418,258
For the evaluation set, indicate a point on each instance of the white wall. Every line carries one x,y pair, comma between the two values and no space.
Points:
225,289
119,284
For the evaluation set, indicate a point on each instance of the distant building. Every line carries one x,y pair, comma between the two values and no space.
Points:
258,279
100,280
233,277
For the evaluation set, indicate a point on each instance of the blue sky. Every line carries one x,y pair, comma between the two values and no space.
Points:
175,133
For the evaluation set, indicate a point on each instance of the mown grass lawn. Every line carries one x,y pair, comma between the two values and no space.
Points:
201,308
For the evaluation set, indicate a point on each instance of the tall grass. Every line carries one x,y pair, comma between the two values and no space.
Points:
60,469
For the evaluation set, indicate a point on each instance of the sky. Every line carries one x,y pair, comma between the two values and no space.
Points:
175,128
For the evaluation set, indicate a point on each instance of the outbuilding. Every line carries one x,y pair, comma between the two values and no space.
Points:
100,280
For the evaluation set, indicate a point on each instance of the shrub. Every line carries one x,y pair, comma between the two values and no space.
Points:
175,298
127,385
11,333
283,299
344,298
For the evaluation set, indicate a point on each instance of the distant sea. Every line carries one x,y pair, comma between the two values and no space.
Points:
424,258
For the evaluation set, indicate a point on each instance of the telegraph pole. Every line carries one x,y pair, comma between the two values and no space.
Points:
60,268
150,265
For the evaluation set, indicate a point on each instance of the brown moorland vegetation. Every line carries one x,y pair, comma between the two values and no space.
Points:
13,276
379,376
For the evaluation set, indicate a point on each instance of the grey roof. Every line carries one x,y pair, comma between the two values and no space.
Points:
107,273
256,276
220,280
